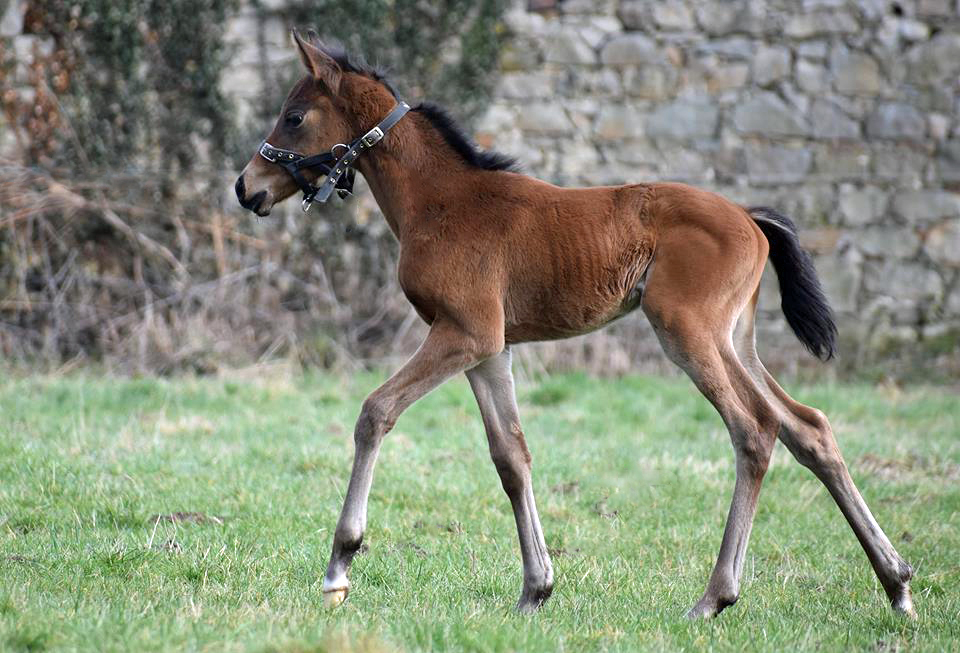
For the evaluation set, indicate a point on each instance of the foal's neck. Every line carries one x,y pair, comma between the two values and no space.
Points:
405,170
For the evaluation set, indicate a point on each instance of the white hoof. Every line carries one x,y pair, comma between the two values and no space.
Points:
333,598
904,605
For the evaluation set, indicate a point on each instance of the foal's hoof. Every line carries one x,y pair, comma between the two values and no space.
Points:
903,604
708,607
701,611
333,598
531,600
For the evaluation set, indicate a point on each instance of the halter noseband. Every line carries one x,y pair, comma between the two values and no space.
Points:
339,174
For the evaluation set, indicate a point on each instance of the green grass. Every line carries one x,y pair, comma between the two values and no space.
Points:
633,479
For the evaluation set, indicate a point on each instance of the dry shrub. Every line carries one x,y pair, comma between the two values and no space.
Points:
98,271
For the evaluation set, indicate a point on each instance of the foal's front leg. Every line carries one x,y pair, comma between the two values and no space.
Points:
492,383
446,351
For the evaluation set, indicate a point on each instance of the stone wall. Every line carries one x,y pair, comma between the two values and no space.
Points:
842,114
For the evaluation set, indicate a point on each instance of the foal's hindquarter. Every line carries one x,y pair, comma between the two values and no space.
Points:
545,262
701,299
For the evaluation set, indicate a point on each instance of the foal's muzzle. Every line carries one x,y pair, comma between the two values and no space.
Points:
254,203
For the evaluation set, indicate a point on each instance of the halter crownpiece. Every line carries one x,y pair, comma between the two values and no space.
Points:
339,174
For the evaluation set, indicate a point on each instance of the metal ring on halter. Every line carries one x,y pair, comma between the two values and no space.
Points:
333,150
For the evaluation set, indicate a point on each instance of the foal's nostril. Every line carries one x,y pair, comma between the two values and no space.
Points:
239,187
253,203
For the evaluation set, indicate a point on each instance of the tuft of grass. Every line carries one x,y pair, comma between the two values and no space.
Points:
164,514
27,641
550,392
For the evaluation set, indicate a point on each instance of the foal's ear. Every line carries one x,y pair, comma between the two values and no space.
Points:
318,63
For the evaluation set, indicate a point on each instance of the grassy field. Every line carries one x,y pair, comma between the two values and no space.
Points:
633,479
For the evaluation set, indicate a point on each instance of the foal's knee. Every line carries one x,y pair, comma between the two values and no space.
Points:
754,452
374,421
753,440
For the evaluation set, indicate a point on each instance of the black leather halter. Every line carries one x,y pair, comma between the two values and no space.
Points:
339,174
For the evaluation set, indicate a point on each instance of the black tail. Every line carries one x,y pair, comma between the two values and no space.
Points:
802,299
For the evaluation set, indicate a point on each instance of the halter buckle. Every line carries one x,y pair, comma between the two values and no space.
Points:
268,152
373,137
306,203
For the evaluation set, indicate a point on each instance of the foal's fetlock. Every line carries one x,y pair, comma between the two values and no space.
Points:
898,591
533,597
901,599
902,602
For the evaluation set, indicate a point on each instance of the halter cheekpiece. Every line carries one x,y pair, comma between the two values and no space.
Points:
339,174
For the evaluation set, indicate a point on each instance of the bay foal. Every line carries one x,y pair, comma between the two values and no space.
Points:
490,258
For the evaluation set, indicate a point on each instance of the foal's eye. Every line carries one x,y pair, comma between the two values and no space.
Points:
294,118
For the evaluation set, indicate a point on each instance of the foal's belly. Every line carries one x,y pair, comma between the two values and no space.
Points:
585,305
561,326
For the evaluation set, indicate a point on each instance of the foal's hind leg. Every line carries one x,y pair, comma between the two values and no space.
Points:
694,321
492,383
714,368
807,434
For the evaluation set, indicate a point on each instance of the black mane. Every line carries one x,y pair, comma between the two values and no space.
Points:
462,144
452,133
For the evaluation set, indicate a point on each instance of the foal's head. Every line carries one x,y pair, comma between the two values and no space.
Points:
314,118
